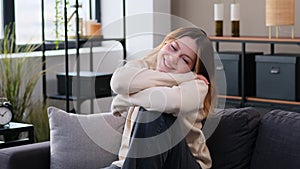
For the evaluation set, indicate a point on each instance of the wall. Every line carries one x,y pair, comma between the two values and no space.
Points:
200,13
146,22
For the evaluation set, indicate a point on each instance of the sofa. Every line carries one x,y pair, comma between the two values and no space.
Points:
238,138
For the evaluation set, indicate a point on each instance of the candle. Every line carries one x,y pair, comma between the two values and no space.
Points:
93,28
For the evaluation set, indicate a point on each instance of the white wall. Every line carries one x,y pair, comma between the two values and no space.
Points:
162,20
252,14
200,13
146,22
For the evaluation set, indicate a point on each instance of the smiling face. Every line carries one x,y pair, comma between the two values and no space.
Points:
177,56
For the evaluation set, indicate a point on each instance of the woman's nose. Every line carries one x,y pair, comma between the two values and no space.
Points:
171,60
175,58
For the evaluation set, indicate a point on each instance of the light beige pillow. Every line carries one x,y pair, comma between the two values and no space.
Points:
83,141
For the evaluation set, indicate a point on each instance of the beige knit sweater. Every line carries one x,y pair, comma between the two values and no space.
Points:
179,94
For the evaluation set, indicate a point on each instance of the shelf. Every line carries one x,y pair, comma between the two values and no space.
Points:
84,37
63,97
273,101
74,98
230,97
95,38
77,42
256,39
255,99
244,40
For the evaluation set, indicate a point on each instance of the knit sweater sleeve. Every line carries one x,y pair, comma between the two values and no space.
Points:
184,98
136,76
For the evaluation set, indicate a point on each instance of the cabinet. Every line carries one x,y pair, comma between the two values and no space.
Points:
243,99
13,129
69,76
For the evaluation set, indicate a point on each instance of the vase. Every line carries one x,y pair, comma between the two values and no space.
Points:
218,17
235,19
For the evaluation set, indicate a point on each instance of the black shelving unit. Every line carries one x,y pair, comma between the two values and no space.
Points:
78,43
244,100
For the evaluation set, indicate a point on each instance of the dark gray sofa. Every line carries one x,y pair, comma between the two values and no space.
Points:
244,138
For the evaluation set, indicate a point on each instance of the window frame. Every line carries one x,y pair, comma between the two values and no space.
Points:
9,17
8,12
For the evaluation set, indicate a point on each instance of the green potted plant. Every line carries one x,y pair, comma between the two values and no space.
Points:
59,21
19,76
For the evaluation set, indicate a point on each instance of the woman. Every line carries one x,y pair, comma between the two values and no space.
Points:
177,78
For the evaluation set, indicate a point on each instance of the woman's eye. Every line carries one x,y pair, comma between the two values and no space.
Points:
173,47
186,61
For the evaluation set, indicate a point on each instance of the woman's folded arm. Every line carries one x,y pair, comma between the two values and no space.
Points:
186,97
135,76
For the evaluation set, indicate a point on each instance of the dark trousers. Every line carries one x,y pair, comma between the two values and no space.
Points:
158,143
111,167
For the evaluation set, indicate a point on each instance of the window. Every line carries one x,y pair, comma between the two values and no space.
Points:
28,18
28,21
27,15
1,20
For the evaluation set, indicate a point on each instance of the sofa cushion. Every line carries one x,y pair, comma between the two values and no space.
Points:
278,141
83,141
233,140
25,156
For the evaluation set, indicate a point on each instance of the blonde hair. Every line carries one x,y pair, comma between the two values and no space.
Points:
204,63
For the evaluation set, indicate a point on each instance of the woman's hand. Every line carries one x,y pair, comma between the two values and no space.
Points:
201,77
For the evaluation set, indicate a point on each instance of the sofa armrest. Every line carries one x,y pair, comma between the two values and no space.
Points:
31,156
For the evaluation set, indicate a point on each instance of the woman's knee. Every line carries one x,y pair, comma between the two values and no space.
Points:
151,123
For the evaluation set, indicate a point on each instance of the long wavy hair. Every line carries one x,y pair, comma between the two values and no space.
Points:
205,59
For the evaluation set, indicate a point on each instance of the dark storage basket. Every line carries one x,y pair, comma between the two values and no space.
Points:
278,76
92,84
231,65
